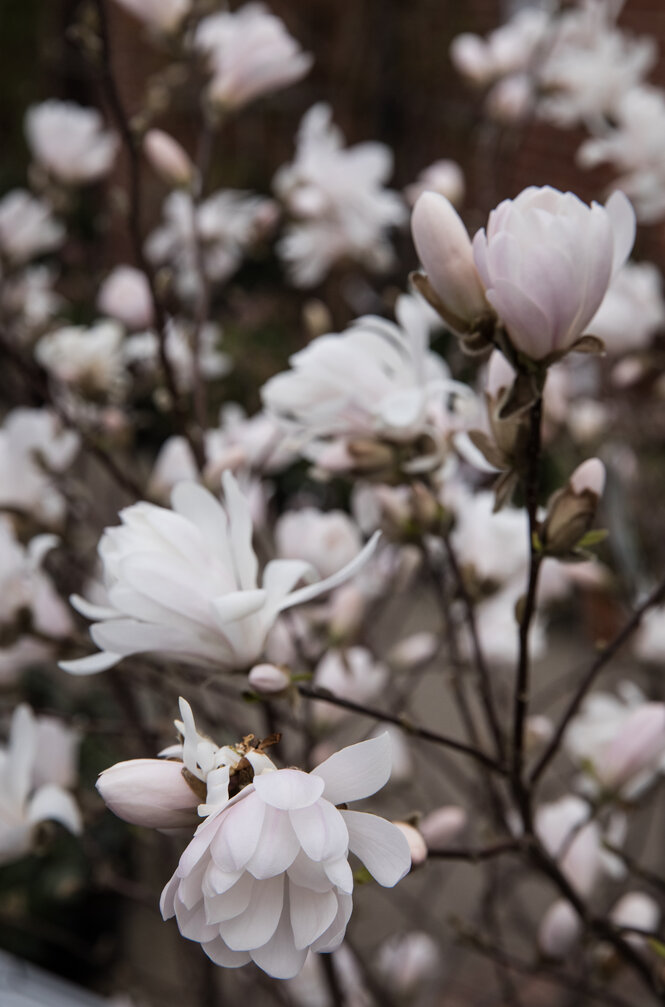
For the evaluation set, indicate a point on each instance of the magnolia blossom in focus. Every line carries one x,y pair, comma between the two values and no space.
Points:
337,198
375,382
125,295
325,540
33,449
89,358
25,802
266,876
546,261
250,53
185,582
445,177
27,227
70,141
160,15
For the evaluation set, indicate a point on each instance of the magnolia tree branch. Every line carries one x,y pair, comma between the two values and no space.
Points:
133,150
604,657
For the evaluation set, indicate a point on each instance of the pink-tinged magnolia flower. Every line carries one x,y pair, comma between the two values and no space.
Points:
168,158
70,141
267,875
184,582
27,227
445,250
638,748
125,295
159,15
25,802
559,931
150,792
250,53
546,261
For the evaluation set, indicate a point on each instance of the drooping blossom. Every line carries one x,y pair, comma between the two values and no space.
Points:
70,141
159,15
250,54
326,540
88,358
33,449
546,261
337,198
27,794
347,394
125,295
267,877
224,226
27,227
184,582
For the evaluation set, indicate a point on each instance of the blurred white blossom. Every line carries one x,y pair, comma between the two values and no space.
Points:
33,449
70,141
125,295
89,358
27,227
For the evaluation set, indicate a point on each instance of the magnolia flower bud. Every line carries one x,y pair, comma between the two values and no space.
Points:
635,909
168,158
442,825
150,792
559,930
268,679
445,250
572,510
417,845
638,747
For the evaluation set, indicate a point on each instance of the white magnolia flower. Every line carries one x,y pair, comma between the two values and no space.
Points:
619,740
376,381
633,309
559,931
23,801
225,226
639,910
125,295
509,49
89,358
445,177
635,145
649,641
27,227
28,299
589,65
159,15
34,447
326,540
250,53
573,840
24,585
407,962
267,876
184,582
141,351
70,141
353,673
338,200
546,262
242,442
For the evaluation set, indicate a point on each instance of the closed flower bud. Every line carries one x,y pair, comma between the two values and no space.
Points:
445,250
559,930
635,909
572,510
417,845
150,792
168,158
267,679
442,825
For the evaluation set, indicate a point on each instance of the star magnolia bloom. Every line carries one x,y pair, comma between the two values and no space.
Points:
250,53
546,261
70,141
266,877
23,804
185,582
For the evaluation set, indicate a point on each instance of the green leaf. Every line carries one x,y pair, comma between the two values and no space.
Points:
592,538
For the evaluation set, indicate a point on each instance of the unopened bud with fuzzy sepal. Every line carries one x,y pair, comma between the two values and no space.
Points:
151,792
572,510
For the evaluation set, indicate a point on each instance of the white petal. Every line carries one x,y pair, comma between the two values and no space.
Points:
340,874
218,952
321,831
232,903
309,874
334,935
277,848
288,789
90,665
192,922
238,834
311,914
237,605
357,771
190,891
314,590
55,804
217,882
622,219
380,845
256,925
95,613
166,901
279,957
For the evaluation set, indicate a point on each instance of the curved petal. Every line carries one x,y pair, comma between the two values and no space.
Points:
218,952
257,924
314,590
357,771
311,914
92,664
51,803
289,789
380,845
321,831
622,219
279,957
